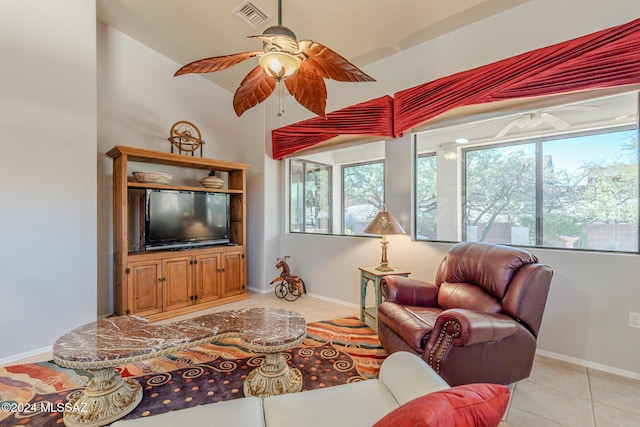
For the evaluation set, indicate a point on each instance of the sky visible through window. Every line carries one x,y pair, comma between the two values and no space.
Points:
571,154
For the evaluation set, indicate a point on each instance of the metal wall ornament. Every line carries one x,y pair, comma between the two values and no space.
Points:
186,137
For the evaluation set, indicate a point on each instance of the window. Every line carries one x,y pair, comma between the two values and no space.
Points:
362,195
310,200
590,192
336,191
568,181
572,192
575,192
426,196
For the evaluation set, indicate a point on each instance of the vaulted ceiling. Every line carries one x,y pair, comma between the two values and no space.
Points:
363,31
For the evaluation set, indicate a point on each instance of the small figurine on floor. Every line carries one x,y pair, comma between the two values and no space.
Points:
288,286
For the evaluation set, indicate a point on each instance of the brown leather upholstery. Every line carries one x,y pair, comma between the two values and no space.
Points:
479,320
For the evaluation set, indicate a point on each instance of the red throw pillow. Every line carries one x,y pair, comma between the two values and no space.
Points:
470,405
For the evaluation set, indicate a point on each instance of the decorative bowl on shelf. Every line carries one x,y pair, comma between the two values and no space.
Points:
153,177
212,181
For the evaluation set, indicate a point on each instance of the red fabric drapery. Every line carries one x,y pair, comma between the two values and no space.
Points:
603,59
373,118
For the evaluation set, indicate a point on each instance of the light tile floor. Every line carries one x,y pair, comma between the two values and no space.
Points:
556,394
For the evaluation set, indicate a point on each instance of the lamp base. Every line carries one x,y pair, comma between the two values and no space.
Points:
384,267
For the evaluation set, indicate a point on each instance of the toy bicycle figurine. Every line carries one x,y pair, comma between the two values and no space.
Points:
288,286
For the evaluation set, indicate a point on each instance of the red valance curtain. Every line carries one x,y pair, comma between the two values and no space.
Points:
373,118
604,59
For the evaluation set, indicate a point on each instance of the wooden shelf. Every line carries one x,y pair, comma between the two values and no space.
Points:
144,185
172,159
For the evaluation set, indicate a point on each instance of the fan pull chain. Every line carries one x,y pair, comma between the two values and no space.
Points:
281,99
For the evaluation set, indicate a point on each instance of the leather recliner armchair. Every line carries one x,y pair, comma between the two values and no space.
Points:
478,322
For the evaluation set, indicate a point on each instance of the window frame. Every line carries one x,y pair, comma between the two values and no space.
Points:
322,166
538,142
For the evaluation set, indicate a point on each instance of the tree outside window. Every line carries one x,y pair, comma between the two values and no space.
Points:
563,192
362,195
426,197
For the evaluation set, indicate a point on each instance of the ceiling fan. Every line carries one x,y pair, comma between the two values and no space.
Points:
534,119
302,65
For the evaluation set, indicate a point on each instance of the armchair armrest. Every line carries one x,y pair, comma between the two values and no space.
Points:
469,327
463,328
406,291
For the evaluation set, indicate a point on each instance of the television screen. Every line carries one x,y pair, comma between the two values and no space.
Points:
175,219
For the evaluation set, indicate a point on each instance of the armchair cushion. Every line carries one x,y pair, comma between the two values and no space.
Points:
412,323
468,262
467,295
472,405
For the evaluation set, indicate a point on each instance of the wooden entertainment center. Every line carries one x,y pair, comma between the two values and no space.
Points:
165,283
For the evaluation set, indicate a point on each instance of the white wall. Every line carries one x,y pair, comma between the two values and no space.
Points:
586,316
47,171
138,102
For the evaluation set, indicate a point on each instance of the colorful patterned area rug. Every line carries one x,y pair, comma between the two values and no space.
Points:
335,352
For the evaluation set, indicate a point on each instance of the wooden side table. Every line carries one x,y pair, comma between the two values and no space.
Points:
370,274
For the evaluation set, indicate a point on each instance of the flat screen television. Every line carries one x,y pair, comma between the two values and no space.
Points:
183,219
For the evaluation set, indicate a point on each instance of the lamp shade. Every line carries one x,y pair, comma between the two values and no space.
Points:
279,65
384,223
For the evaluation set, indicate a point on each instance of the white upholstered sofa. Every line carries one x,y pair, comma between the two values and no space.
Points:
403,377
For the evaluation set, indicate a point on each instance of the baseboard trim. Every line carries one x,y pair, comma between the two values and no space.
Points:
26,355
333,300
587,364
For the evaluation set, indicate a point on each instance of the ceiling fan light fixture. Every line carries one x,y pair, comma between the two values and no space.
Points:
279,65
305,64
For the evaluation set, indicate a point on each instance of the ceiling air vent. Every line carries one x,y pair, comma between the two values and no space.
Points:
251,14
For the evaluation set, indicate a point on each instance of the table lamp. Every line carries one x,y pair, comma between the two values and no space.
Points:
384,223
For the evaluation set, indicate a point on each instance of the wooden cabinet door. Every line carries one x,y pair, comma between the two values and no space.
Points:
176,280
232,275
144,279
208,277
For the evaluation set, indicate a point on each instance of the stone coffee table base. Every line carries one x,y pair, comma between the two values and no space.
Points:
107,398
99,347
273,376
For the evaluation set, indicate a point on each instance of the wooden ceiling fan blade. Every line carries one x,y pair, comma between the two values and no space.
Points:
216,63
554,121
330,64
308,88
255,88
